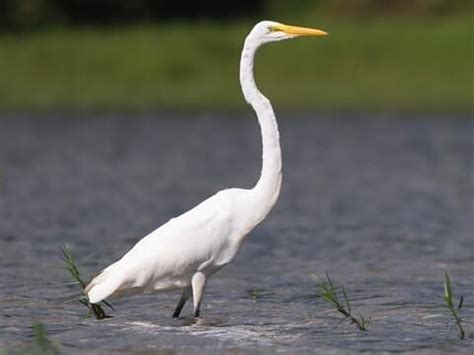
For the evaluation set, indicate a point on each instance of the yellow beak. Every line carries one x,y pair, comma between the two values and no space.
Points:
300,31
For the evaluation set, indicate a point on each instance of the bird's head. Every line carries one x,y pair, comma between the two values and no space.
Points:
270,31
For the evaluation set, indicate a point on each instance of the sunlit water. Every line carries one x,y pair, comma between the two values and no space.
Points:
381,202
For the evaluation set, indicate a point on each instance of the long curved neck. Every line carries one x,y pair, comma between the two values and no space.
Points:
266,191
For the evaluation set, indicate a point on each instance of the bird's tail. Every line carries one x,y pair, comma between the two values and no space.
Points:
103,285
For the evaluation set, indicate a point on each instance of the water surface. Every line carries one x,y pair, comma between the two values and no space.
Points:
383,202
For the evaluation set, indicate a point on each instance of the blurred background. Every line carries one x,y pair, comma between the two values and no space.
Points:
157,54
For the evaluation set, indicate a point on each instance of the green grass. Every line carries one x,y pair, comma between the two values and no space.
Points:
71,266
331,294
390,63
43,345
454,310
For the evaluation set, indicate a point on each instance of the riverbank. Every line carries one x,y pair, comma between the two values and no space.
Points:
390,63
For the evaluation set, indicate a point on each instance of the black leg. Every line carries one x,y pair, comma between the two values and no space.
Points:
184,297
197,311
179,307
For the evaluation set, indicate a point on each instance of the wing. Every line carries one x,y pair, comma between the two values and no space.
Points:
169,256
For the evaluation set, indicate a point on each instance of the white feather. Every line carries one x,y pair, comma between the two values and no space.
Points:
185,251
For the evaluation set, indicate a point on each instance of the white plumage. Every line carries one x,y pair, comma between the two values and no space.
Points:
185,251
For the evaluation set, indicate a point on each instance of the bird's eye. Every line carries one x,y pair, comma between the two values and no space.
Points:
271,28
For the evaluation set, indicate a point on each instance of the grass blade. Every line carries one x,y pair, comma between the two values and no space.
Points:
42,342
448,290
329,292
346,298
70,264
448,297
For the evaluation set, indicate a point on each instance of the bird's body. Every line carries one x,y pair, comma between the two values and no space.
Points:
203,239
185,251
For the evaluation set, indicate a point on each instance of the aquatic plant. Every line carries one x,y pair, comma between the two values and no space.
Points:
449,299
43,345
330,293
96,309
254,294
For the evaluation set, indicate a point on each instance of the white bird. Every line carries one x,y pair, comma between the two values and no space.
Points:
184,252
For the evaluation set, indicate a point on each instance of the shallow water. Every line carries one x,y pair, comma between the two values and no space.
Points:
384,203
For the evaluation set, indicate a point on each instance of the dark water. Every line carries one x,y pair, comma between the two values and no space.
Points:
382,202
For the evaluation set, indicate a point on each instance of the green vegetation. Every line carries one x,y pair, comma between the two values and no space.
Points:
329,292
394,63
449,299
254,294
95,309
43,345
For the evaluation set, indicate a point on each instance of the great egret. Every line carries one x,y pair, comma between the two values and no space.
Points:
184,252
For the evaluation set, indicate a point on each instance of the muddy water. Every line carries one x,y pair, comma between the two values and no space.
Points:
384,203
